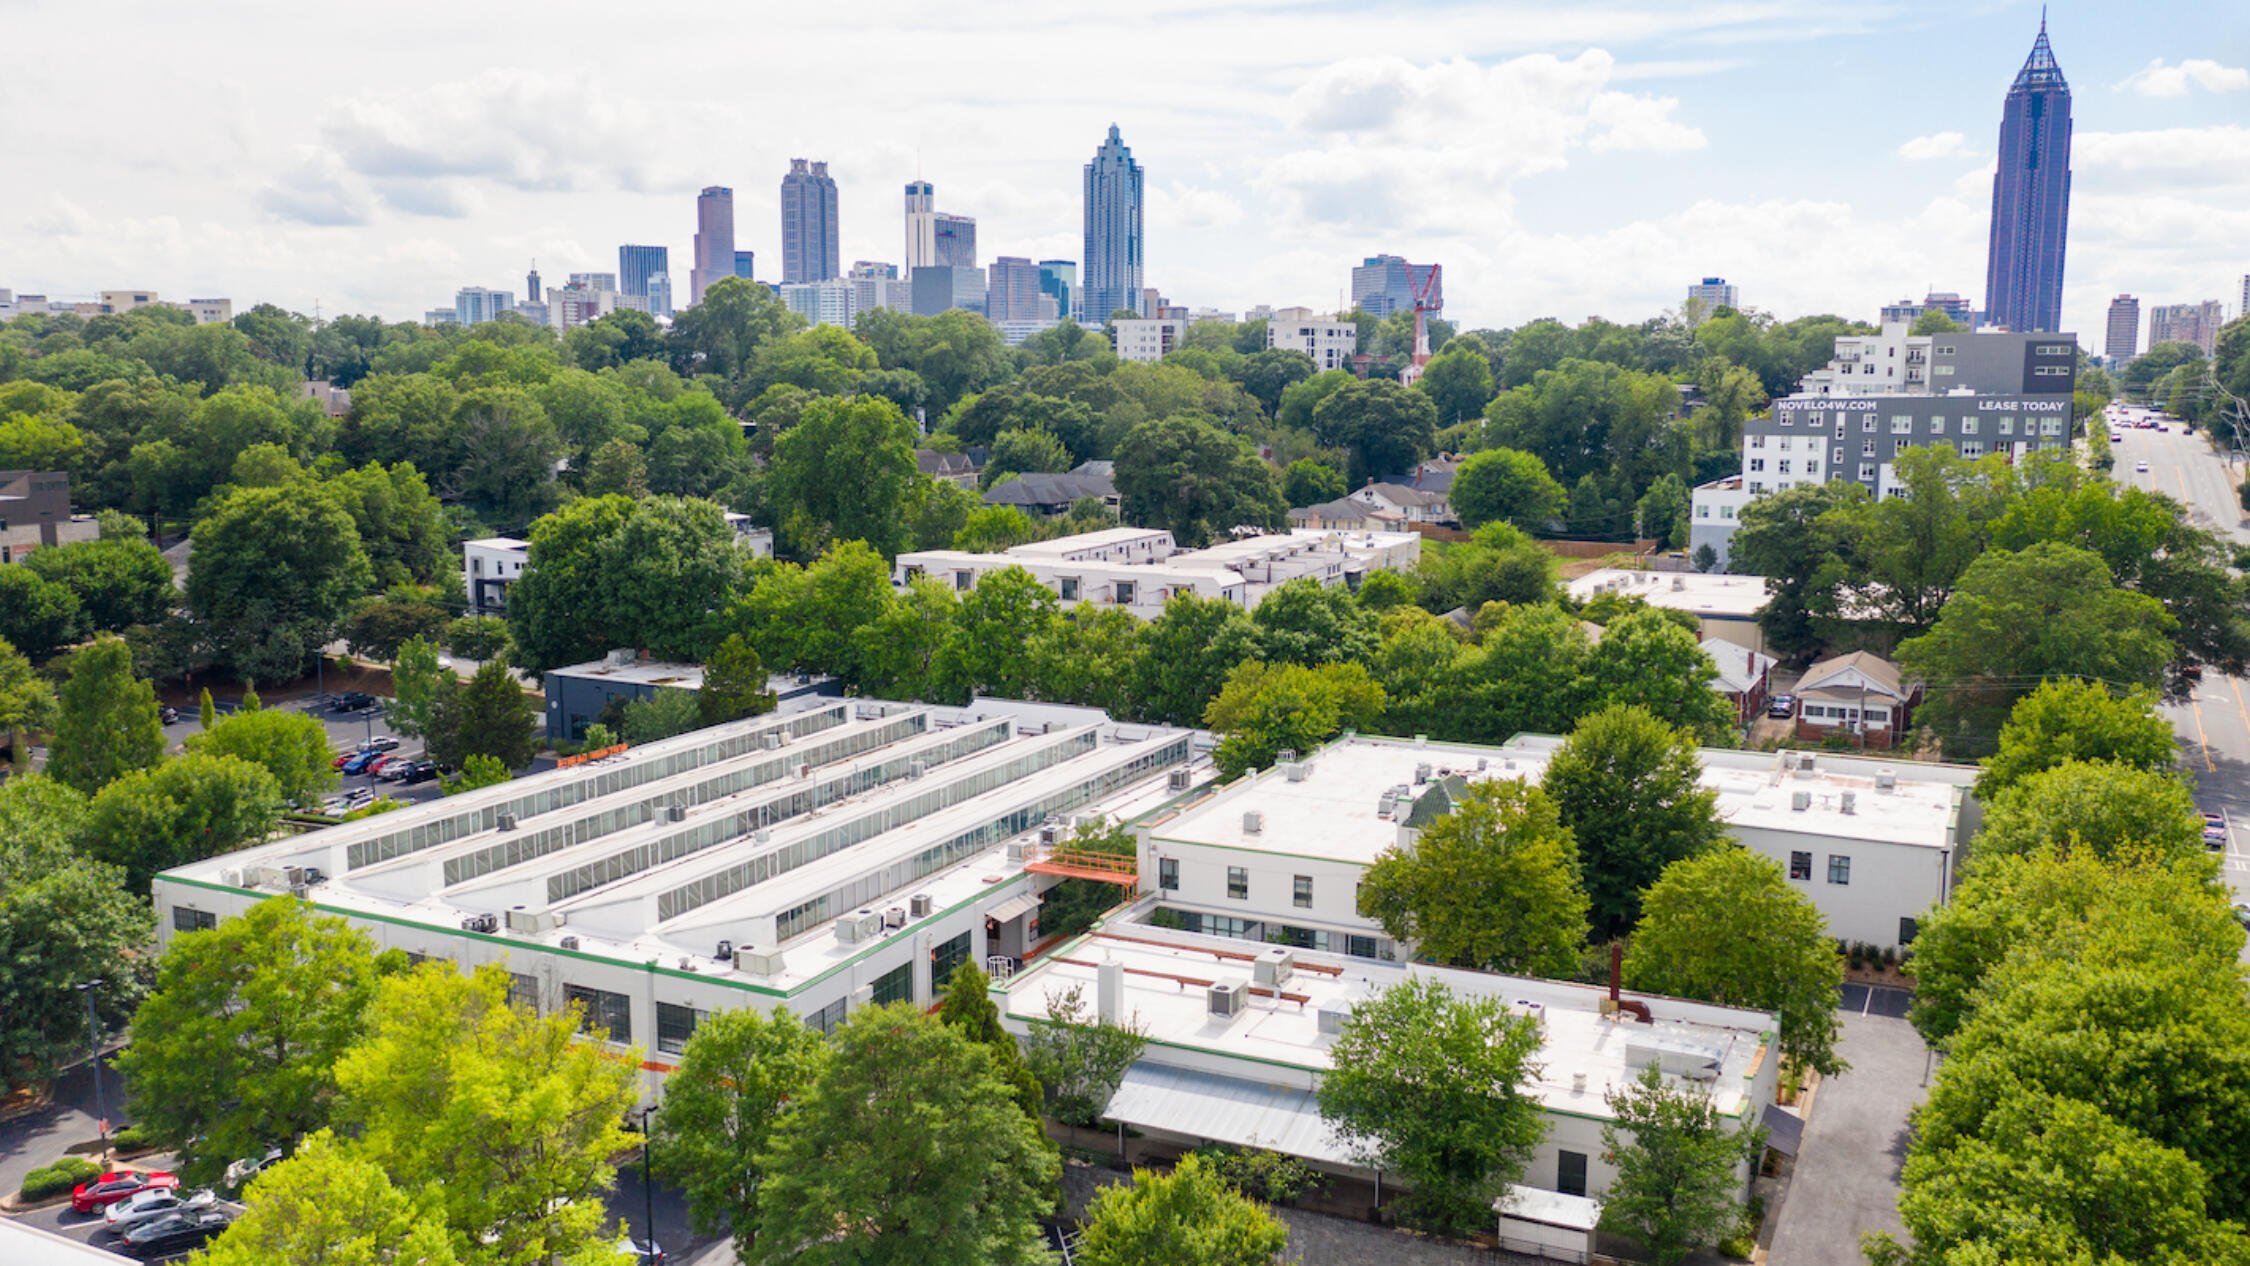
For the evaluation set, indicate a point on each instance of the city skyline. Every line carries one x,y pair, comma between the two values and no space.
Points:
2024,266
1612,156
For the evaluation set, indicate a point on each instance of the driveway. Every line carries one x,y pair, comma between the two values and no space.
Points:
1846,1180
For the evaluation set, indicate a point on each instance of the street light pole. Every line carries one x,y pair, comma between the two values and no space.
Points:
648,1165
94,1042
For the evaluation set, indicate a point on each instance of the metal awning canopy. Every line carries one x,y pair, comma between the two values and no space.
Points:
1785,1130
1014,907
1219,1109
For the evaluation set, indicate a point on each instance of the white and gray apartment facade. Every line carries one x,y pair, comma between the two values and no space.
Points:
1277,856
1977,393
851,853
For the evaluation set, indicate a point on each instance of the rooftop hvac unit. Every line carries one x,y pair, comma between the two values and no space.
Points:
1050,834
1332,1019
486,923
1286,755
769,741
858,926
506,822
1421,773
231,876
1678,583
1806,762
804,770
675,813
1536,1010
1799,801
532,922
895,917
570,942
764,835
268,877
1886,779
751,961
1848,802
620,657
920,905
292,876
725,952
1273,966
1299,770
1180,779
314,875
1676,1057
1227,998
915,769
1016,850
1253,822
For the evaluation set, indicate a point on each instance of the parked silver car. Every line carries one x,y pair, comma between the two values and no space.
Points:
148,1206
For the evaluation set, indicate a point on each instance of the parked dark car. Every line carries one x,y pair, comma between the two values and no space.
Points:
1782,706
190,1228
423,771
352,701
168,714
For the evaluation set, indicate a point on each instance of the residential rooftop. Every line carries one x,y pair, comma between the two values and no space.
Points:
1703,594
1344,806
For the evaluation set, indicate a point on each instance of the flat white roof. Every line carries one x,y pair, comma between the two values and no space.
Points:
1166,976
1702,593
1089,540
497,542
1338,811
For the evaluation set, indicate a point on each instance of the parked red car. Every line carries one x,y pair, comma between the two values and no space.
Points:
114,1186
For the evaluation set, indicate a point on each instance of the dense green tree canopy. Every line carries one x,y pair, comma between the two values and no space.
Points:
1188,1215
1492,885
1629,788
2071,720
740,1073
106,725
1184,474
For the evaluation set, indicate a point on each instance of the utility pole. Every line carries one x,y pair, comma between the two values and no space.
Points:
94,1040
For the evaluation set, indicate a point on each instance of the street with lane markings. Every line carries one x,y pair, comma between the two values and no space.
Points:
2214,720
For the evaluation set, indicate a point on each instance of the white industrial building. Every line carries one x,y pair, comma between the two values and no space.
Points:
1239,1038
1141,569
1725,607
850,853
1277,856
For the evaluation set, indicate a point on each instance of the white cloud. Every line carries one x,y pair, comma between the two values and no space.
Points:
1937,145
2207,156
1187,207
2159,80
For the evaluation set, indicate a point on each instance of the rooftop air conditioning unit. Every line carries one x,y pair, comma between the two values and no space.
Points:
1886,779
675,813
1848,802
895,917
1421,773
1016,851
1050,834
292,876
725,952
1676,1057
231,876
1799,801
1806,762
569,942
1273,966
314,875
1332,1019
757,962
920,905
532,922
1679,583
915,769
858,926
804,770
1180,780
1300,770
486,923
506,822
1227,998
769,741
620,657
1253,822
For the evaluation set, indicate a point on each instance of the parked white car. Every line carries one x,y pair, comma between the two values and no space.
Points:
147,1206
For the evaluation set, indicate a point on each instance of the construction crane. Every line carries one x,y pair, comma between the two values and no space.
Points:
1429,297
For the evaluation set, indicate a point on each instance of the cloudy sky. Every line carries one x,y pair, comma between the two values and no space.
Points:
1558,159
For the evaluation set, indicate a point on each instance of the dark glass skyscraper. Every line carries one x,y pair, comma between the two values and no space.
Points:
1112,260
2031,197
809,251
636,265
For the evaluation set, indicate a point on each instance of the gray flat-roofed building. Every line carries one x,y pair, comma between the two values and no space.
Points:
578,694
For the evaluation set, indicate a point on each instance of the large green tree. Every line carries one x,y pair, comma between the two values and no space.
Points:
236,1049
967,1006
509,1117
27,703
611,572
328,1205
291,746
1492,885
107,724
487,715
1725,926
2019,618
734,683
1304,622
118,581
1679,1165
1188,1215
1186,475
1266,709
907,1150
1383,427
1507,485
1630,789
2115,812
1432,1088
66,921
1079,1057
2078,721
742,1071
1645,659
273,571
844,473
1184,658
37,615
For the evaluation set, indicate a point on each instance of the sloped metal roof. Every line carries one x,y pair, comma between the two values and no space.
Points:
1226,1110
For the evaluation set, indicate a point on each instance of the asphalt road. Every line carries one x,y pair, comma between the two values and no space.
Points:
2214,721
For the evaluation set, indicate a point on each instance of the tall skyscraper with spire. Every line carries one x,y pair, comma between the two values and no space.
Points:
809,251
1112,262
2023,276
714,241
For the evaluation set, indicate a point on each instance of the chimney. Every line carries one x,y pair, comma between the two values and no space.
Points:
1616,970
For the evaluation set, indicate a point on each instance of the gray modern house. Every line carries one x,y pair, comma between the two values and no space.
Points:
1113,260
2031,197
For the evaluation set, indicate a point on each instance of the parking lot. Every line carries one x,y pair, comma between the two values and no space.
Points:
88,1228
346,732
